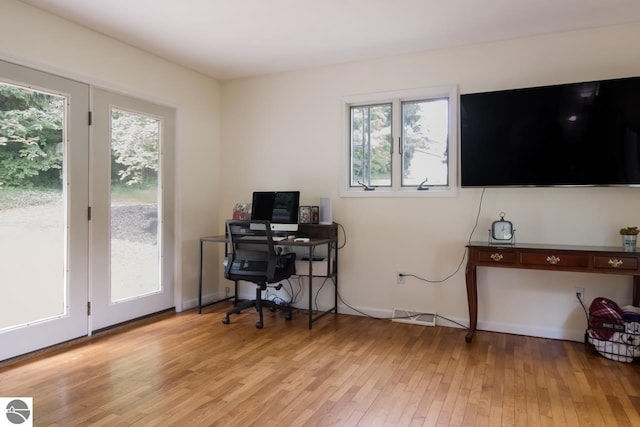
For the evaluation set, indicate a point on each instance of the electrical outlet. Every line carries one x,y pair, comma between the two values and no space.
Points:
579,294
226,291
400,277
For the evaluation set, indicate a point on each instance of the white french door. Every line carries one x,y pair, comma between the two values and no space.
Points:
44,175
132,208
86,212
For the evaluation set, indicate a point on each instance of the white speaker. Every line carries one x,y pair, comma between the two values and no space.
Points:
325,211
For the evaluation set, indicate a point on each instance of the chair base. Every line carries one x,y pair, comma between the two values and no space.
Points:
258,303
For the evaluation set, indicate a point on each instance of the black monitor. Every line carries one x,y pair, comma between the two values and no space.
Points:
278,207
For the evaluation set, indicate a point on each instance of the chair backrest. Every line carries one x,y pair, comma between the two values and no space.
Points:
252,255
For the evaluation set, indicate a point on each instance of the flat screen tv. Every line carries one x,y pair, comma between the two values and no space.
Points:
279,207
579,134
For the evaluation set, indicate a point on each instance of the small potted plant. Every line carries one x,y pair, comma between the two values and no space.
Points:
629,238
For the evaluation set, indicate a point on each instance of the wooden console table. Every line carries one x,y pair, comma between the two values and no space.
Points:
585,259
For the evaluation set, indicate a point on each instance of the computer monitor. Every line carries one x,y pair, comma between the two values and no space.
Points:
279,207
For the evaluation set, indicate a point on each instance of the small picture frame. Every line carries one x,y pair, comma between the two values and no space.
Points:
315,214
305,215
242,211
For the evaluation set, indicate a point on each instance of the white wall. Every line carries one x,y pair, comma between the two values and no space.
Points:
40,40
284,131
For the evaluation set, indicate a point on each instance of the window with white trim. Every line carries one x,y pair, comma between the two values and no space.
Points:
401,143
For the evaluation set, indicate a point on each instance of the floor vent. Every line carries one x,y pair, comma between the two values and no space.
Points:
414,317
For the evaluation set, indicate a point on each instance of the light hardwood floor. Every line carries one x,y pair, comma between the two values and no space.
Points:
190,369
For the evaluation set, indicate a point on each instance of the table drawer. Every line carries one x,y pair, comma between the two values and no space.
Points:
615,263
497,256
554,259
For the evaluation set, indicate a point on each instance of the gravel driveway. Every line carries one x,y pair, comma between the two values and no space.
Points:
33,237
135,223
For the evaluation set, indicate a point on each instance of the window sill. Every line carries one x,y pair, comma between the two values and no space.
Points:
407,193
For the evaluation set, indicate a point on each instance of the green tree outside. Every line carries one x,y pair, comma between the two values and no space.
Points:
371,140
31,132
32,148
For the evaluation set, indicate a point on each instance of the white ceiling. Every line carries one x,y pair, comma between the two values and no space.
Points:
229,39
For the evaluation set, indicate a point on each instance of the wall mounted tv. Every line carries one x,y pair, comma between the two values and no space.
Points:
579,134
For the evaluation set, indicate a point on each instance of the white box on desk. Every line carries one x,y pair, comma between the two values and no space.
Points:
319,268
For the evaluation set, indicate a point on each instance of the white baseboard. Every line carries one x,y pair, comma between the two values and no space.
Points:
533,331
206,299
443,320
507,328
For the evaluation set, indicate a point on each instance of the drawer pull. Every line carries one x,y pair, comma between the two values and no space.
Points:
615,263
553,259
496,257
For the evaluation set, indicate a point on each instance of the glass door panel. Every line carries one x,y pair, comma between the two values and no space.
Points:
32,214
135,255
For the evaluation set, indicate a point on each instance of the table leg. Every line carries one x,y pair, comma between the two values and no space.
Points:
335,281
310,287
200,281
472,299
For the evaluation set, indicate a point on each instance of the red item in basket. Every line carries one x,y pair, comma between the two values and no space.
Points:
603,310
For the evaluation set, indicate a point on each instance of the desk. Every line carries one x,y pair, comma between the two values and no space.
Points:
584,259
318,235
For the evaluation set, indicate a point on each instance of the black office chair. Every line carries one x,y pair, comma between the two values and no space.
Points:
252,257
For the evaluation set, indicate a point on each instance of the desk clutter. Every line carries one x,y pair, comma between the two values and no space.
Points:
614,331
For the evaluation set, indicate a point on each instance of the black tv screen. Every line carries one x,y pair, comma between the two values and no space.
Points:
579,134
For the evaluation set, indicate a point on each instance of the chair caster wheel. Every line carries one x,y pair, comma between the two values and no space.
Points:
272,309
259,325
225,320
288,316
